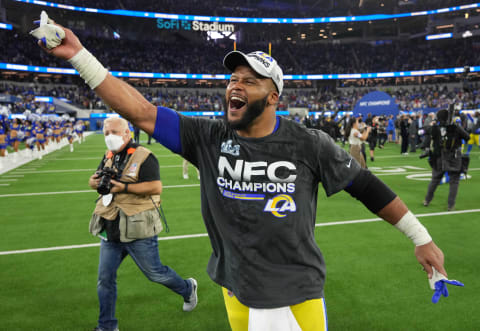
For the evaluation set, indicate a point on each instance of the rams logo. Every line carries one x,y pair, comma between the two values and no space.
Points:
280,204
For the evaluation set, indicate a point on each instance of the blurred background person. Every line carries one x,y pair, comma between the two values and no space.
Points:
382,131
404,134
356,139
442,144
185,170
412,133
474,131
372,136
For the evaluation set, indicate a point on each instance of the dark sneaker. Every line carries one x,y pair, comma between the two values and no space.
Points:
451,208
191,303
426,203
100,329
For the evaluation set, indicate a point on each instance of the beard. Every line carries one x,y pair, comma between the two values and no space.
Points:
253,110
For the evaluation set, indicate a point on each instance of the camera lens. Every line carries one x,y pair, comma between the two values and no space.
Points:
104,186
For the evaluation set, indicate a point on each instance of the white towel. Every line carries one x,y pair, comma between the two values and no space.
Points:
276,319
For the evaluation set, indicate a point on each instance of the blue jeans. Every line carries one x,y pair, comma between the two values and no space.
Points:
145,254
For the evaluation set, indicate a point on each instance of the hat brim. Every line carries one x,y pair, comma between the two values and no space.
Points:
233,59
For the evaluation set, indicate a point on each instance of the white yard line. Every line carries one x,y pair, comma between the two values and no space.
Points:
427,172
28,171
98,158
200,235
75,192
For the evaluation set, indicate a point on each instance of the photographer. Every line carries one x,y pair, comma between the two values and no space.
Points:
443,141
382,132
128,180
356,139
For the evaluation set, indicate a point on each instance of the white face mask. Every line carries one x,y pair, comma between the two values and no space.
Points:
113,142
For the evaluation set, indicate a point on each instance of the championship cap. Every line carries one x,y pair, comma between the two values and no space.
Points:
262,63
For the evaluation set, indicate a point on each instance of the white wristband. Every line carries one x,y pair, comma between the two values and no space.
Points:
89,68
413,229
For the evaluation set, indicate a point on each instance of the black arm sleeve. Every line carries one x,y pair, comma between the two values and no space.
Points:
371,191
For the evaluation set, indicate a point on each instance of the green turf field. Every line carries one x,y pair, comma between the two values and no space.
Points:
373,279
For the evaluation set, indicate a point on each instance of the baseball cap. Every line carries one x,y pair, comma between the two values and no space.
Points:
262,63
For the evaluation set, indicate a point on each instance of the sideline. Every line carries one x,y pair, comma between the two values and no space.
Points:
199,235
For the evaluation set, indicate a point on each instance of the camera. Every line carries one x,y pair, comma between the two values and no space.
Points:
106,175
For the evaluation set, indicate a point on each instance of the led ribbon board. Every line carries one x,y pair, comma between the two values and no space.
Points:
361,18
151,75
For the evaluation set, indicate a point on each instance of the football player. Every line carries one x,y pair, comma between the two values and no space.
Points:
260,177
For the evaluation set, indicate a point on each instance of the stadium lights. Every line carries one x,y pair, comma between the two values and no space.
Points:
369,18
439,36
444,26
5,26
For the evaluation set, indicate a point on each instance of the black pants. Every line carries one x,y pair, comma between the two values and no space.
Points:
382,139
413,143
404,144
453,189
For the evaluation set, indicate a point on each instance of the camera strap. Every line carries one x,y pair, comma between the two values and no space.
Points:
161,214
122,165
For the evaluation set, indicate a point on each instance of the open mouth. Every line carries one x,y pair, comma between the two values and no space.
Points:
236,103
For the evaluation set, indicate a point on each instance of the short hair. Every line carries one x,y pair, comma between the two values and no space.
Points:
123,123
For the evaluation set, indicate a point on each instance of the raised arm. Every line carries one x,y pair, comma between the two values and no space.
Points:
128,102
120,96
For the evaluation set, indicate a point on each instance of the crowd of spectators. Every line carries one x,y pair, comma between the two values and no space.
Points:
157,56
409,99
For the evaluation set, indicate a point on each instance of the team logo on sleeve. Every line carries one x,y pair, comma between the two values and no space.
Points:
280,204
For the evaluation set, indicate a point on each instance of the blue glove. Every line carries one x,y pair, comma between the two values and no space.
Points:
438,283
441,288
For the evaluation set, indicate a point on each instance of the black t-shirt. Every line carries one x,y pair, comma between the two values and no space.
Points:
259,201
149,171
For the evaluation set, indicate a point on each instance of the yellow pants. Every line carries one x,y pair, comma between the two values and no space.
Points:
311,315
474,139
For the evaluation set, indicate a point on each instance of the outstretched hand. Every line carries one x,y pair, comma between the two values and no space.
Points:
432,259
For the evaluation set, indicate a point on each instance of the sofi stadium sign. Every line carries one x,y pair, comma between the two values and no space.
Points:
194,25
